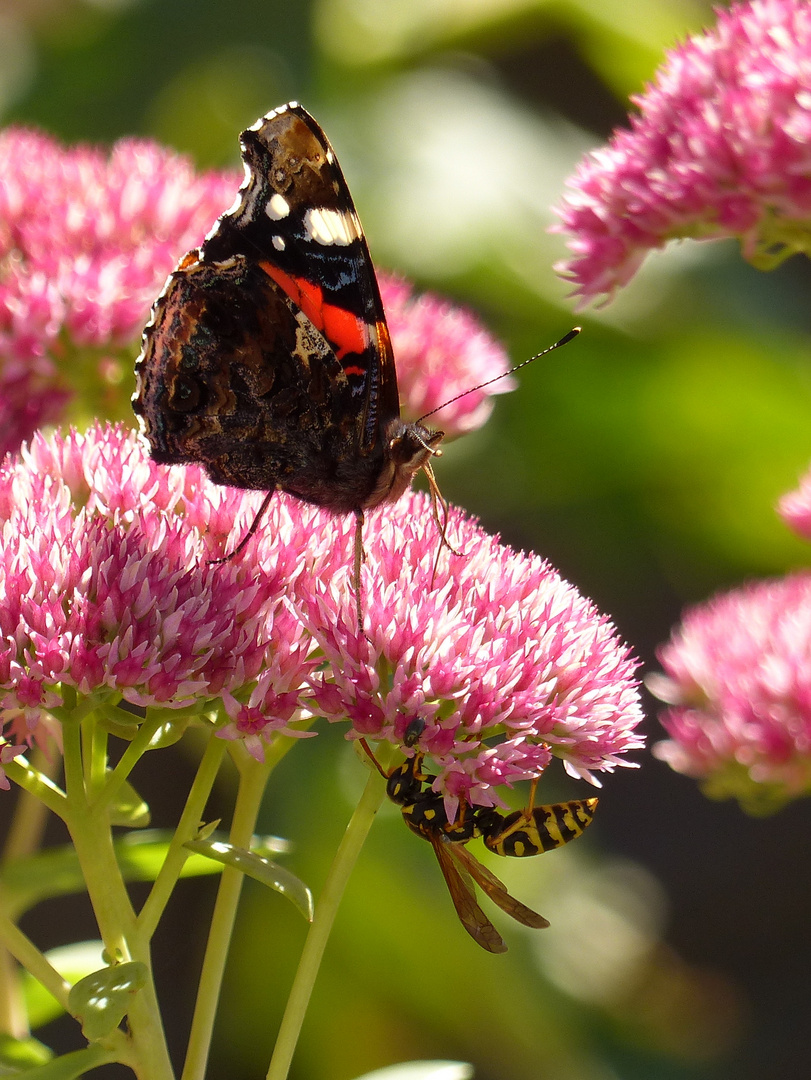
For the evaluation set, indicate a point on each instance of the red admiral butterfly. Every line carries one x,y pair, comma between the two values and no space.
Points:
267,357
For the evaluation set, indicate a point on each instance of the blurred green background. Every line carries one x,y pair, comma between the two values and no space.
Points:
644,460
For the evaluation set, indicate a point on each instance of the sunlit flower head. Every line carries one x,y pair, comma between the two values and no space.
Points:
109,590
737,682
721,147
87,238
441,351
503,661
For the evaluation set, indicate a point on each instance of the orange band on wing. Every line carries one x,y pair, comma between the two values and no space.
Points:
340,327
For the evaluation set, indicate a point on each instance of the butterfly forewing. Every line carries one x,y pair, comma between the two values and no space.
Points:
296,218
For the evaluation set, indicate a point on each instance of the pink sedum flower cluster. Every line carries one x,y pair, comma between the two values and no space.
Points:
109,591
721,147
737,682
503,661
442,351
86,241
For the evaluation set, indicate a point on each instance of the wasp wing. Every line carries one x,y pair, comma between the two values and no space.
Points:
495,889
461,888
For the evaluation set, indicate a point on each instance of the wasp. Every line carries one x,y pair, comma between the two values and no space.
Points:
520,833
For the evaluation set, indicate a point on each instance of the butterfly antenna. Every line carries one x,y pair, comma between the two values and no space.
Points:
545,352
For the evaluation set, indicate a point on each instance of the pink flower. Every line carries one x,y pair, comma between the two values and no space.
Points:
504,662
795,508
86,242
441,351
721,147
107,588
738,685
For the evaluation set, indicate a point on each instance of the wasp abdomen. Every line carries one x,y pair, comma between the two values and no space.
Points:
546,827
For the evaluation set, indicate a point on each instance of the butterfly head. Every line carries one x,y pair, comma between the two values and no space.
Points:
408,448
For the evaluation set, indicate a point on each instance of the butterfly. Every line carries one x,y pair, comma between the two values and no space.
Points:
267,358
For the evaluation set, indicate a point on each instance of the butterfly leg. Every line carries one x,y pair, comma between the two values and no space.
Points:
356,565
251,531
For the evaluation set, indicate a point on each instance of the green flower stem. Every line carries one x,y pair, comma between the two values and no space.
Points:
28,955
130,758
187,827
344,862
92,838
253,779
35,783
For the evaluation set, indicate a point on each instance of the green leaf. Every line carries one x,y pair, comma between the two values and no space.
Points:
129,808
19,1055
171,731
72,962
258,867
55,872
101,1001
423,1070
69,1066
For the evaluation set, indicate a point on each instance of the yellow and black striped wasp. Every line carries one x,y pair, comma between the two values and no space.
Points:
520,833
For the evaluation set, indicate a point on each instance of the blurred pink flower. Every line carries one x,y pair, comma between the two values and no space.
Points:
504,662
795,508
107,588
86,241
737,680
721,147
441,351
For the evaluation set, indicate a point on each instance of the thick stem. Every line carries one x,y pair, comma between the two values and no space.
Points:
92,838
345,858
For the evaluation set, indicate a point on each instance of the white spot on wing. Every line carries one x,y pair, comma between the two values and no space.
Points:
278,242
277,208
331,227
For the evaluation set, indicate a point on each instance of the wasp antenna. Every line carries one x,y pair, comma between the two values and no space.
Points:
544,352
